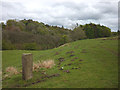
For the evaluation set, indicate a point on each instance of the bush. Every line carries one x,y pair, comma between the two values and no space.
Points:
6,45
78,34
30,46
96,30
64,39
114,33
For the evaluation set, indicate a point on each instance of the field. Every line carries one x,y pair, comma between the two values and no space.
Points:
90,63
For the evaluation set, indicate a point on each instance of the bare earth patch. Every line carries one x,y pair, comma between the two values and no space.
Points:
67,44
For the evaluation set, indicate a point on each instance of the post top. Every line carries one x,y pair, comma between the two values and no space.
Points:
27,53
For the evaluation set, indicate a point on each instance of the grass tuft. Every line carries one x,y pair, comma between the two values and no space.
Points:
45,64
12,70
48,64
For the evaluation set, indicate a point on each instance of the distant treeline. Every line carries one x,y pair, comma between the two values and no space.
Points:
32,35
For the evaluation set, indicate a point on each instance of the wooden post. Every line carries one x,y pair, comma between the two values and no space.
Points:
27,66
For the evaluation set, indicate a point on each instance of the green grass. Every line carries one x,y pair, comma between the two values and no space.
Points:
99,68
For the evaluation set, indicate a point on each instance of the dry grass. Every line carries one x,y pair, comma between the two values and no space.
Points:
44,64
36,66
67,44
115,38
48,64
104,38
12,70
109,38
6,75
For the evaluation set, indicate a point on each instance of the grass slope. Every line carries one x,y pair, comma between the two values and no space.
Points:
96,60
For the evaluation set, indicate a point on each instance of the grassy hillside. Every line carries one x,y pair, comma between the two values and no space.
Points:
90,63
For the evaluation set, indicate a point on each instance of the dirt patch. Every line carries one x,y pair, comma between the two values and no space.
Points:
72,60
69,64
61,59
67,44
42,79
76,68
80,60
67,71
57,53
76,58
72,55
70,52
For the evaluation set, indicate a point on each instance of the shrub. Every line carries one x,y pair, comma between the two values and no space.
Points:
96,30
64,39
6,45
30,46
78,34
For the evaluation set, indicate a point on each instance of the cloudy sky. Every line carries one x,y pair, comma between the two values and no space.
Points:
62,12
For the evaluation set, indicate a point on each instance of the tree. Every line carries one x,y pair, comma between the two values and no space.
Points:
78,34
64,39
2,25
30,46
95,31
18,33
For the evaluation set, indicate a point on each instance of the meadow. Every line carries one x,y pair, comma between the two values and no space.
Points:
89,63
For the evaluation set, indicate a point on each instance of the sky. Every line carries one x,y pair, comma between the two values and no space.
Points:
62,12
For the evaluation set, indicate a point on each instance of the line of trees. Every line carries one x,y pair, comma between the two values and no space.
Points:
96,31
32,35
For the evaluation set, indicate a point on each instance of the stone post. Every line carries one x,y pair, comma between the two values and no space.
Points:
27,66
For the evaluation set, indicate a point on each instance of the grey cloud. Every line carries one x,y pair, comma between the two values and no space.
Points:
80,11
12,10
107,7
63,13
